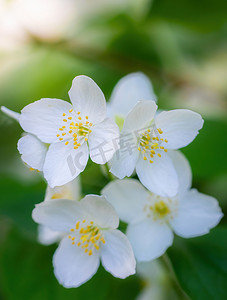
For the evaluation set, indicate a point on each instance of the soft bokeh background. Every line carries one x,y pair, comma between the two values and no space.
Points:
181,45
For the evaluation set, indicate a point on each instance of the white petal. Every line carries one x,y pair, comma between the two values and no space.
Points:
179,126
103,141
33,151
71,191
197,214
140,116
72,266
100,211
43,118
183,169
116,254
149,239
47,236
124,160
128,197
128,91
10,113
159,177
58,215
64,163
88,99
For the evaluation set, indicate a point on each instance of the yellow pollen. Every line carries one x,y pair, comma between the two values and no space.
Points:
64,120
76,147
73,243
63,133
61,129
86,117
69,236
66,143
86,139
72,229
91,222
166,141
139,148
90,124
70,118
78,113
161,209
63,126
70,110
144,158
159,154
78,225
70,131
75,135
152,151
79,118
165,150
151,161
90,252
58,135
63,114
60,139
84,221
79,244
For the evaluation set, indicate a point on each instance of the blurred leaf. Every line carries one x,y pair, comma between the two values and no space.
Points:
93,179
26,273
204,15
201,265
17,202
207,153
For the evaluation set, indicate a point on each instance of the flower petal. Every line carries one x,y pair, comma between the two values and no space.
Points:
128,197
71,191
64,163
128,91
72,266
140,116
183,170
197,214
124,160
179,126
149,239
47,236
10,113
116,254
44,117
103,141
100,211
33,151
88,99
159,177
58,215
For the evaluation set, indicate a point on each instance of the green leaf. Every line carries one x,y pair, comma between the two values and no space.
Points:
203,15
207,154
17,202
201,265
26,273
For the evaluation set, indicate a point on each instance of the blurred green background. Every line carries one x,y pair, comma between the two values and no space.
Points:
181,46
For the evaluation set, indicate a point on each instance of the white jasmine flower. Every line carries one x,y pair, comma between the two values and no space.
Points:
72,131
90,226
70,191
32,150
127,92
153,218
145,140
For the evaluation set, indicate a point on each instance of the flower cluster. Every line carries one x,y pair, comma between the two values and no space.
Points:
59,137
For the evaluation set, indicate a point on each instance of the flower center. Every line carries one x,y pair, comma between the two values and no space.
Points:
161,208
88,237
150,143
75,127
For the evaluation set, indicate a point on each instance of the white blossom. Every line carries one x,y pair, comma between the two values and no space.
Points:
144,143
90,235
153,218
